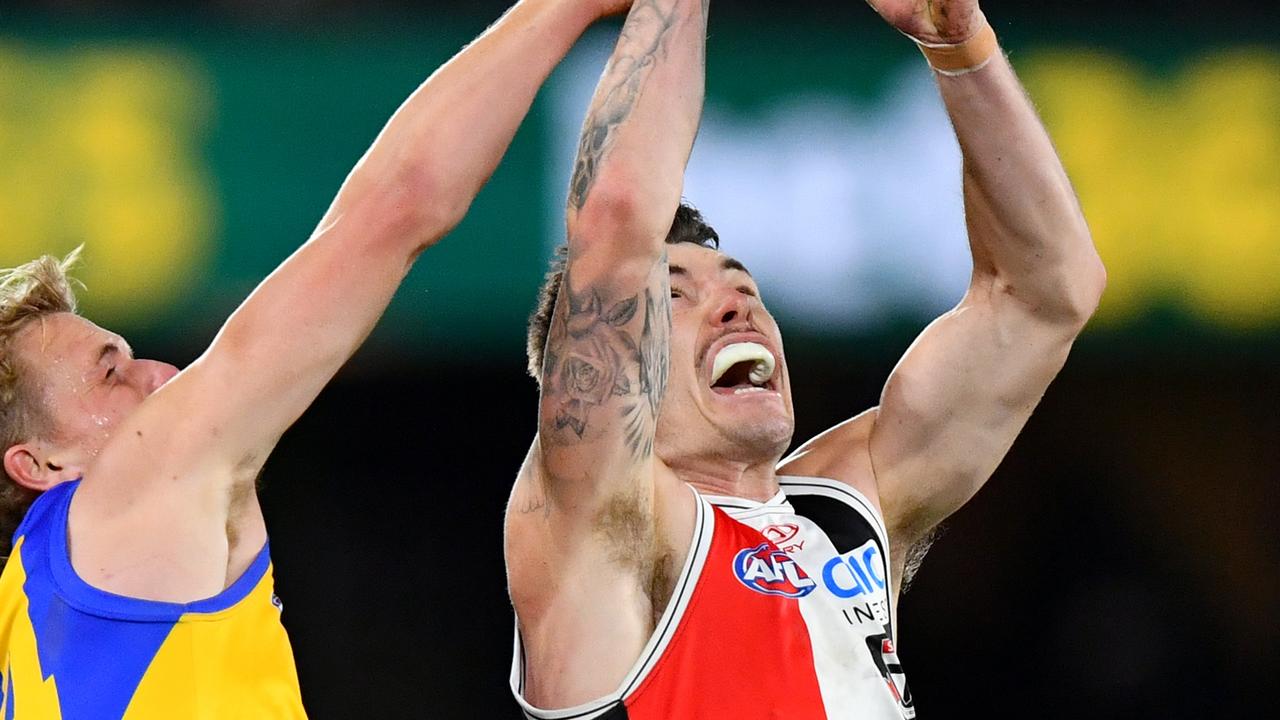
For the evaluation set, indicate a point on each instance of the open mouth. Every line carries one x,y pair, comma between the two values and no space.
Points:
742,369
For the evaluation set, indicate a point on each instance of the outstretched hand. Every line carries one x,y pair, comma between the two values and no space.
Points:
932,21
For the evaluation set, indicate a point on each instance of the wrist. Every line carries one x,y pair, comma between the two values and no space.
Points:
596,10
567,14
964,57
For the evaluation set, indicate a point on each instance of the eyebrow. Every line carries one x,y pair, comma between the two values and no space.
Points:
726,264
114,347
731,264
108,350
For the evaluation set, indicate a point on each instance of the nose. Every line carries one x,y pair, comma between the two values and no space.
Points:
151,374
733,307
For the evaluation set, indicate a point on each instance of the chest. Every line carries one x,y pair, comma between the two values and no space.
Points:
831,560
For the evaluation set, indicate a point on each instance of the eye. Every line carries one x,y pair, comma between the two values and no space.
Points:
111,372
676,293
747,290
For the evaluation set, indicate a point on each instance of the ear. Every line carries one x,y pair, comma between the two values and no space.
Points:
29,468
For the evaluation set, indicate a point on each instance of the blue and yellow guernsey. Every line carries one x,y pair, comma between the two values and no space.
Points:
73,652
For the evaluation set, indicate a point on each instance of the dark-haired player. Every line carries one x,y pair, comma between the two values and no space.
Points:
663,562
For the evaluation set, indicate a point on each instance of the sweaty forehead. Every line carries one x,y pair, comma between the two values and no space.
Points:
64,337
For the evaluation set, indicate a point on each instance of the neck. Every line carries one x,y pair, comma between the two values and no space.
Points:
717,476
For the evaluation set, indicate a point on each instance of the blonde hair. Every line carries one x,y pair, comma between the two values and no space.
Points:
27,292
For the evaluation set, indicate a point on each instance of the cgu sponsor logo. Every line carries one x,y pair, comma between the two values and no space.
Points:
856,572
770,571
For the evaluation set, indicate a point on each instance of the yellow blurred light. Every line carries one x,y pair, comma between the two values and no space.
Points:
1180,180
101,147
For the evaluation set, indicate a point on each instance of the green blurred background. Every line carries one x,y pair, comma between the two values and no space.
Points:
1122,564
191,153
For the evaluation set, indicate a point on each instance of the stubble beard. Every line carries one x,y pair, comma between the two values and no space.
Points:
759,441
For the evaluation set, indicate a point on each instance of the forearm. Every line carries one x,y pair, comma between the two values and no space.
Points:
447,138
415,182
640,129
1026,228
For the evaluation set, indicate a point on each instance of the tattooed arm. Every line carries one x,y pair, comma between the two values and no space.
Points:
605,365
595,525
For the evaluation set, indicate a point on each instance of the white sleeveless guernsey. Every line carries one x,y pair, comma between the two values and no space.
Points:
782,610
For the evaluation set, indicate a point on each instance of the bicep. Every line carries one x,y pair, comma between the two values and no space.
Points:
954,404
603,377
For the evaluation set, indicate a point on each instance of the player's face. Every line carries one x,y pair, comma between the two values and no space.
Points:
87,378
728,395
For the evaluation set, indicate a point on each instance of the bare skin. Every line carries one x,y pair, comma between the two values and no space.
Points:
601,514
590,496
167,509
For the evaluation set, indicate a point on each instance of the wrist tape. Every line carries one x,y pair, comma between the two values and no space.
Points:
964,57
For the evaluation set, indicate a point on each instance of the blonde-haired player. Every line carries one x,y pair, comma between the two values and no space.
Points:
139,581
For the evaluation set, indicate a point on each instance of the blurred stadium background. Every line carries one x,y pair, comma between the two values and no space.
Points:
1123,561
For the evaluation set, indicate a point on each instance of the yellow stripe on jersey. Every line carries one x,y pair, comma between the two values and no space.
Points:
249,651
21,664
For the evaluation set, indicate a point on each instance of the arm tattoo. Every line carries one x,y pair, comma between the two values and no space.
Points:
533,499
642,44
594,354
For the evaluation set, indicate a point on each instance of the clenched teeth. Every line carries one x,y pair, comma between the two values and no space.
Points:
763,362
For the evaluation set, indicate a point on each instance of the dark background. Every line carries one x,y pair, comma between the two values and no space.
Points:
1121,563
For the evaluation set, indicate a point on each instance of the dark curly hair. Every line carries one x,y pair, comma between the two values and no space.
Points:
687,227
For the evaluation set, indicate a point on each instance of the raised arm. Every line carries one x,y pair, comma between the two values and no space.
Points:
605,365
965,388
213,426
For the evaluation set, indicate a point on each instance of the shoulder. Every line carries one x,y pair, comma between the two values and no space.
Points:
841,453
48,511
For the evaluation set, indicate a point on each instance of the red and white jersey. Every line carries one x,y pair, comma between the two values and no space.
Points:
782,610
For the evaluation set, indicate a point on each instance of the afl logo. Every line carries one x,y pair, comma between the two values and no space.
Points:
770,571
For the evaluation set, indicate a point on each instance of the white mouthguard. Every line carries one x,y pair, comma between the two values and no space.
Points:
763,362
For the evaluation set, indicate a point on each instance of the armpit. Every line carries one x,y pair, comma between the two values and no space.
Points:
915,556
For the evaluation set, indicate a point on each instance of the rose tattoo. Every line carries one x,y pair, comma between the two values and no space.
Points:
588,356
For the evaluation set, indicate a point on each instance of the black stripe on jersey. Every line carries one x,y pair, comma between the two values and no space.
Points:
845,526
617,712
842,491
524,663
